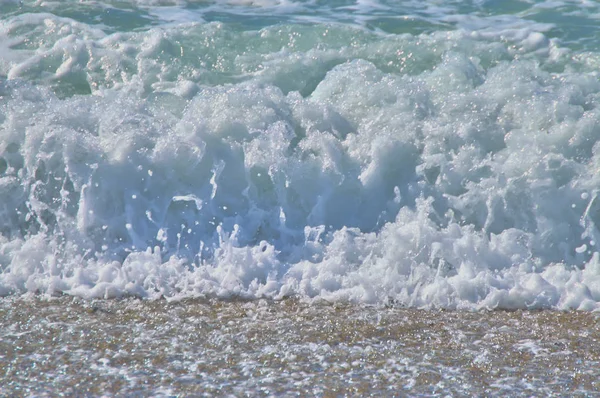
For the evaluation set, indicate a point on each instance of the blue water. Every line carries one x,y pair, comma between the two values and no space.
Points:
428,154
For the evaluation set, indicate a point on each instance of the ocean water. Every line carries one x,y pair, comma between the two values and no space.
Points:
423,154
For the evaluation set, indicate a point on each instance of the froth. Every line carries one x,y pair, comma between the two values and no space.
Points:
446,169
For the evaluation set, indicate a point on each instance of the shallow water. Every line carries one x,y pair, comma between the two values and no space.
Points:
287,348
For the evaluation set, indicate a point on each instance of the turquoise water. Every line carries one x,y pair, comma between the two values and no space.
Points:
426,154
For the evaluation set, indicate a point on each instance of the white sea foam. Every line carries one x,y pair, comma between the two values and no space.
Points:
446,169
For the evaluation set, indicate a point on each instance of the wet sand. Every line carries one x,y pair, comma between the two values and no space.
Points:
69,346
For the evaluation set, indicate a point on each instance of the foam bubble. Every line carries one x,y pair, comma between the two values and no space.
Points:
321,161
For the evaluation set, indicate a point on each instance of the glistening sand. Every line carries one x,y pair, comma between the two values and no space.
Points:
69,346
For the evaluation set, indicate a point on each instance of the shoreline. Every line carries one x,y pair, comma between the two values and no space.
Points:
261,348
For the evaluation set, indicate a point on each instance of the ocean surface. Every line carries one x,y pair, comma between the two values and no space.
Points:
299,197
436,154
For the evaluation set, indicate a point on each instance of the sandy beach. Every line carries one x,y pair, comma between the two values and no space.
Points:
72,347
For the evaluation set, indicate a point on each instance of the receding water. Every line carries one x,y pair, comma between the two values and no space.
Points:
286,348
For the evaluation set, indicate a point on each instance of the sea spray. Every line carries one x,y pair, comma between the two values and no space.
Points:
184,157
